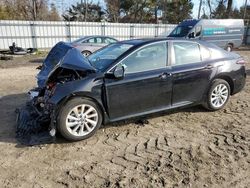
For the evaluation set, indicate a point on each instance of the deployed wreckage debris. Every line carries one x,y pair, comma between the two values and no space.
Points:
36,121
14,49
32,128
34,125
6,58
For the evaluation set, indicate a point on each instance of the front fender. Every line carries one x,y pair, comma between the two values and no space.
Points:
91,88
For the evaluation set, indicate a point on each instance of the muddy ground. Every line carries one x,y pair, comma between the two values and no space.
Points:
187,148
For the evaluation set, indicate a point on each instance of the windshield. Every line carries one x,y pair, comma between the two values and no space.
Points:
180,31
106,56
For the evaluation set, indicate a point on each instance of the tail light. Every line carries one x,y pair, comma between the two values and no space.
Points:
241,62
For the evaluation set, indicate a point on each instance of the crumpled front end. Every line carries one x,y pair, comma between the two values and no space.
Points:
36,119
35,122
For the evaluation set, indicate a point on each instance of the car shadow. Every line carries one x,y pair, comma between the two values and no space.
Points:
245,48
9,103
143,120
248,72
38,60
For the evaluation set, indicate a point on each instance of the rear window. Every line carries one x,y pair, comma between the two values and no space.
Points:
186,53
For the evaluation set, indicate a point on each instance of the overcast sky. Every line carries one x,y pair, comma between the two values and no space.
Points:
67,3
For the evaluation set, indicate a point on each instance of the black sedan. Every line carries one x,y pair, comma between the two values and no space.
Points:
135,78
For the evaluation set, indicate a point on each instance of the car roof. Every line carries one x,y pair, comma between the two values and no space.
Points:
90,36
144,41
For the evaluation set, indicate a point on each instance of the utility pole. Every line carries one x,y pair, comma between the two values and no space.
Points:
34,9
62,6
245,10
199,11
156,10
86,9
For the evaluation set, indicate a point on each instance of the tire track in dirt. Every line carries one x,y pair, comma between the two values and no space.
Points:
185,148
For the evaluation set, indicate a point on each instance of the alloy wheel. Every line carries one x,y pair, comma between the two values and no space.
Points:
219,95
85,53
81,120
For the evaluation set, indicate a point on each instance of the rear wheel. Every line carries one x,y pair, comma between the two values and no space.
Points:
229,47
218,95
86,53
79,119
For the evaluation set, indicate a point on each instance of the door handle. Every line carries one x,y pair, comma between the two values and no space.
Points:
165,75
209,67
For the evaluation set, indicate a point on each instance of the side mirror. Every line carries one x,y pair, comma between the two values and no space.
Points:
191,35
119,72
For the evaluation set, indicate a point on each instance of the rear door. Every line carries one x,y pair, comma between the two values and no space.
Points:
147,85
191,72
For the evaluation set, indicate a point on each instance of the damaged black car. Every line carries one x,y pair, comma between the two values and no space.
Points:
76,95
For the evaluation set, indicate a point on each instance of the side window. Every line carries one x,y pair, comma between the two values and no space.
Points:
109,40
186,53
151,57
95,40
197,31
92,40
98,40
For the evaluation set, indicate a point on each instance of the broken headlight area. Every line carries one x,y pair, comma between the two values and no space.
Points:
36,120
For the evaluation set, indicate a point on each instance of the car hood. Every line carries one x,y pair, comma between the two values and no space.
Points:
63,55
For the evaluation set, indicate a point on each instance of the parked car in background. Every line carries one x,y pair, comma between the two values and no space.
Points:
135,78
89,44
225,33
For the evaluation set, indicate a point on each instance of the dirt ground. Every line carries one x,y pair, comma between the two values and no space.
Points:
186,148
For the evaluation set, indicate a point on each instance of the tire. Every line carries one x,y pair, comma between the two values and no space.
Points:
229,47
219,93
74,125
86,53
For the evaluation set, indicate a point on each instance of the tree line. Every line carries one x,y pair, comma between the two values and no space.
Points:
28,10
123,11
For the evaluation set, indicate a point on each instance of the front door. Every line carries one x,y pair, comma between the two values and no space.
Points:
146,86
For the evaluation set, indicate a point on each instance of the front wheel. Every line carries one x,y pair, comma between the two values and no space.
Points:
229,48
86,53
79,119
218,95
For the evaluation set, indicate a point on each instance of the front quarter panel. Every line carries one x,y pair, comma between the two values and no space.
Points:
90,87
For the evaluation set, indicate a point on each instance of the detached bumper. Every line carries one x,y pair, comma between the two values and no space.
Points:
33,127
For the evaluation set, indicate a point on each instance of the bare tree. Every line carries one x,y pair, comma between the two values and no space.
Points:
210,8
29,10
113,10
229,7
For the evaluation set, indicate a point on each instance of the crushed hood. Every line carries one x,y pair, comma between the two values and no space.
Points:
62,55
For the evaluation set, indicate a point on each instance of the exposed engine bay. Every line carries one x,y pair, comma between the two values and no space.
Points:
35,121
